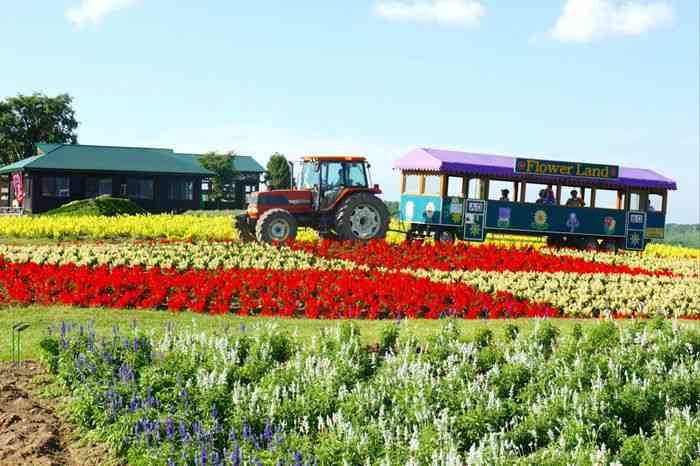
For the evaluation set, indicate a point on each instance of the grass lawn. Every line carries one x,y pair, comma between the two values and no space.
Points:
41,318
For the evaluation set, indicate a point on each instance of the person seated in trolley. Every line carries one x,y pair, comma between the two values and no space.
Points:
574,200
505,195
549,195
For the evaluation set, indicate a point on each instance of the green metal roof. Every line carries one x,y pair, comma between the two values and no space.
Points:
107,158
241,163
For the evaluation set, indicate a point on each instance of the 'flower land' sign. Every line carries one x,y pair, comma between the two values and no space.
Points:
573,169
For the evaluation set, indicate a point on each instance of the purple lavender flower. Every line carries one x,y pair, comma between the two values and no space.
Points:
297,459
236,455
246,430
184,434
63,329
204,457
171,462
267,433
170,428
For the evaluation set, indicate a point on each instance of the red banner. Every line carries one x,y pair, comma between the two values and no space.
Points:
18,187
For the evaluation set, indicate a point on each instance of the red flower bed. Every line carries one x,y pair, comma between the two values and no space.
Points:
460,256
309,293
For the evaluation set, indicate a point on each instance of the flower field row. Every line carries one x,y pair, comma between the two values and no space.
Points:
137,226
687,266
178,255
620,290
462,256
593,295
609,395
312,294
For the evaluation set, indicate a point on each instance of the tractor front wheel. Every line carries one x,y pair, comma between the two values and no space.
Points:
276,225
361,216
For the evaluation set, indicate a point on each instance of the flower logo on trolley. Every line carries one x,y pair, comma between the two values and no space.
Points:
429,211
539,222
609,225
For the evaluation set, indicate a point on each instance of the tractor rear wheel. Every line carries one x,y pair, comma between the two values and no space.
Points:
276,225
361,216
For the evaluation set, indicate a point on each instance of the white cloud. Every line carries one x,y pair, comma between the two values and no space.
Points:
589,20
449,12
92,11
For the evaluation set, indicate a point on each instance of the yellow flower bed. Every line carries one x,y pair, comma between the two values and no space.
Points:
140,226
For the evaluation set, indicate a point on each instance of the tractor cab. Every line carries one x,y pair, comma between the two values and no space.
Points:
329,178
332,196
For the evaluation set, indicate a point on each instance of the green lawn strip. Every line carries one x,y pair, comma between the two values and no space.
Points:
41,318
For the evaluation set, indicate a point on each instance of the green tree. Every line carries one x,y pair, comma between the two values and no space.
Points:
278,176
26,120
225,174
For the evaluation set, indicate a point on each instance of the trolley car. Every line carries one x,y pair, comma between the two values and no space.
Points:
459,195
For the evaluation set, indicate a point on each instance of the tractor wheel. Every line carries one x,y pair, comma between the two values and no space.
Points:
361,216
276,225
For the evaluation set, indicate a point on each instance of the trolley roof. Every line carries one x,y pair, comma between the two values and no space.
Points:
503,167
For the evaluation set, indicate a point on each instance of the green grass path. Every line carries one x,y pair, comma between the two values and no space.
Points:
41,318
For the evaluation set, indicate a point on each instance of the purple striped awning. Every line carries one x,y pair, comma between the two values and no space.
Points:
469,163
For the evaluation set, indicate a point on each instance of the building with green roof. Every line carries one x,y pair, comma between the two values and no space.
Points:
160,180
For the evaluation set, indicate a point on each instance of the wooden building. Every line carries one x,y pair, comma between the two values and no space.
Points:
159,180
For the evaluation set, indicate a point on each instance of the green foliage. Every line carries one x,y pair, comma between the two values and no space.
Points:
103,206
389,338
394,208
222,166
278,175
682,235
28,119
611,395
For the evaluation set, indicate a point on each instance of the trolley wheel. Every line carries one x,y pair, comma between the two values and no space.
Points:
589,244
447,236
555,241
609,245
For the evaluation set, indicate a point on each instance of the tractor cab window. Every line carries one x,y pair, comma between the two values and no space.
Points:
332,175
356,176
310,177
332,182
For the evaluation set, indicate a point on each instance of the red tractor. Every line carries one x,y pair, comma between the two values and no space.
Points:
333,196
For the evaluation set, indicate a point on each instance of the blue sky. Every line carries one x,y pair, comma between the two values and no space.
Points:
587,80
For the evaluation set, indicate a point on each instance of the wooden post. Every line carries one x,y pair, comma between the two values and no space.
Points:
558,194
664,198
618,206
443,185
592,198
523,188
403,183
484,189
516,185
465,186
421,185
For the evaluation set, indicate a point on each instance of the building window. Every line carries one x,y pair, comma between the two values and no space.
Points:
55,186
98,187
139,188
181,190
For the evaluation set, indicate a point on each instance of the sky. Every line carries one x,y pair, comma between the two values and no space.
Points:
601,81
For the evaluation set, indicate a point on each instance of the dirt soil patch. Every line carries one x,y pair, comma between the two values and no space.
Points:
31,432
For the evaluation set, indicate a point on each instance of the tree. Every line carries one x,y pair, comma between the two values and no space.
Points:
26,120
225,174
278,176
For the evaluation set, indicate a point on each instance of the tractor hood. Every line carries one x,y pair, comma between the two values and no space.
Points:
282,197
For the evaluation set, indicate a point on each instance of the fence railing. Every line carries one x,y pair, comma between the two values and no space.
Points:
16,211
